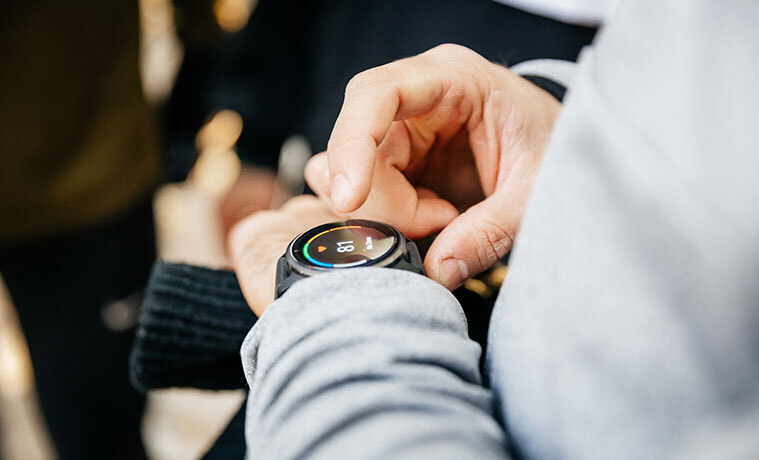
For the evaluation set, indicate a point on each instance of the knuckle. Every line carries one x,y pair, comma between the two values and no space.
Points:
460,58
445,48
494,242
361,81
451,50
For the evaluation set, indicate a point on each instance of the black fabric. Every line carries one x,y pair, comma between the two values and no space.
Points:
192,325
553,88
231,444
195,319
59,287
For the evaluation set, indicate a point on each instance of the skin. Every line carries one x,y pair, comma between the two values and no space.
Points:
257,242
421,138
416,141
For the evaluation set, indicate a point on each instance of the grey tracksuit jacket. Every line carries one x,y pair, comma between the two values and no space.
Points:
628,326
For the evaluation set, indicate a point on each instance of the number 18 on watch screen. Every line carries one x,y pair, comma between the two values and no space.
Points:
347,246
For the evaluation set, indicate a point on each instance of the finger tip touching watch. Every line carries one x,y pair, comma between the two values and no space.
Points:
343,245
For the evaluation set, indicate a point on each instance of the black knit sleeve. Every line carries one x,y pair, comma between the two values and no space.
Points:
193,323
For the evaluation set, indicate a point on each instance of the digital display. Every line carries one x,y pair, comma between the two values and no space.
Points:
345,244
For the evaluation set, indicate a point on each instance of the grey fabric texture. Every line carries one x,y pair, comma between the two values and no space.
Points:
628,326
351,365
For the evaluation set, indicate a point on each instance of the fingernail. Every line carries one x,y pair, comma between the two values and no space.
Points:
453,272
342,192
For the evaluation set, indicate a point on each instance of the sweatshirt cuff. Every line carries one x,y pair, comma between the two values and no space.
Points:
551,87
347,299
553,75
557,70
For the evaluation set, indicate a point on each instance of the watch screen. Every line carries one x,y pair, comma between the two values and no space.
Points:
345,244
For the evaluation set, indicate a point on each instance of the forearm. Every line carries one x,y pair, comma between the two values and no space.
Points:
367,363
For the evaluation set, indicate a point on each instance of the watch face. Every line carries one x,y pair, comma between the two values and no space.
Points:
345,244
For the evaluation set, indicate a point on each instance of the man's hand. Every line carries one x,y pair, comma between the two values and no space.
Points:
419,138
258,241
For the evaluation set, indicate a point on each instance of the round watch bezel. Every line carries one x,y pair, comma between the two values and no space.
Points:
391,257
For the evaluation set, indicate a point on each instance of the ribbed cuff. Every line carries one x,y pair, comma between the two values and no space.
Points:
193,323
551,87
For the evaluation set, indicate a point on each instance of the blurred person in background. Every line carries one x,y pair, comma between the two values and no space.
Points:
80,157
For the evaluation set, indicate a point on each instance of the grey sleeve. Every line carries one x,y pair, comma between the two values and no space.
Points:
628,327
367,363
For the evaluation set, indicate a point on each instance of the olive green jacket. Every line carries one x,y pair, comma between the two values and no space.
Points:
78,141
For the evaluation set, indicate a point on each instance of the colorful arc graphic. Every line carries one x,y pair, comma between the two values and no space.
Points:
323,264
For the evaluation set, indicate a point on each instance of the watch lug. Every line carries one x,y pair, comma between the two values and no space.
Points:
413,254
281,278
285,277
412,261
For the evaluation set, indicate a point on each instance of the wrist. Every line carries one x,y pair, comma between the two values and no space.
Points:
525,128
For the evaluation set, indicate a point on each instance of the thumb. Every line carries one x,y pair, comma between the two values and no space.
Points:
474,241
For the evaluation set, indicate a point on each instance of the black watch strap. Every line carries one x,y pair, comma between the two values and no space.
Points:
285,277
412,261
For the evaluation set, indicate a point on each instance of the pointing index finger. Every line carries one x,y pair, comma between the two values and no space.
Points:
373,100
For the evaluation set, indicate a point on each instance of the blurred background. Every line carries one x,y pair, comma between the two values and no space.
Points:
135,130
178,423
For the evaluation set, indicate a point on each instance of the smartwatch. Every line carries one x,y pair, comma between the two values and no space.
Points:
343,245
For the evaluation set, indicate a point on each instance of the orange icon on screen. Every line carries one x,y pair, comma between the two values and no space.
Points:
321,248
